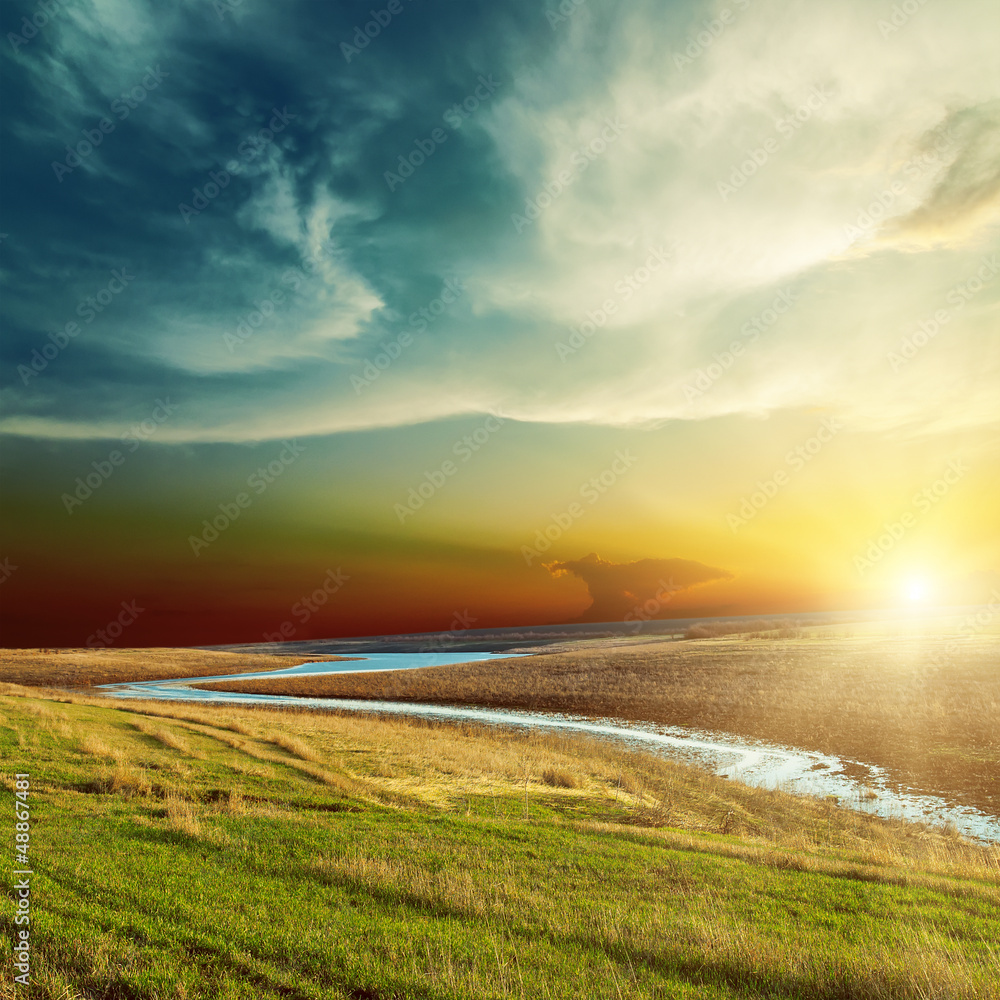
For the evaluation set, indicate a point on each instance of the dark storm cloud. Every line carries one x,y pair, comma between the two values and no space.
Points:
184,94
618,590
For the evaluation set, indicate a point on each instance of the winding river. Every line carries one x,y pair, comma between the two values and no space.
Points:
766,765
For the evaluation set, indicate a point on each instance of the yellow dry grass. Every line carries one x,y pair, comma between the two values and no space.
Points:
168,737
420,763
295,746
98,747
77,668
922,706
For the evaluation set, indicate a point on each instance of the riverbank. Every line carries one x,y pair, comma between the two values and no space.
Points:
298,854
856,784
80,668
923,707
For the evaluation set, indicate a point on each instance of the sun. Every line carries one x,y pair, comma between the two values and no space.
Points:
916,589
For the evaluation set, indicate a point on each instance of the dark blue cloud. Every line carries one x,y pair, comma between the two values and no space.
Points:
185,96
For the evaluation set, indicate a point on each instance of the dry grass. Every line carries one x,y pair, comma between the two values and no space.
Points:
97,747
777,628
590,783
616,863
168,737
296,747
396,760
77,668
181,816
921,966
929,715
124,779
440,764
559,778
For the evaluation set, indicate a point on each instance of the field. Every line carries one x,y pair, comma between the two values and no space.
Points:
909,703
78,668
188,853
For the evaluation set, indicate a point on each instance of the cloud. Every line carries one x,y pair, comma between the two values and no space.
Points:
868,108
967,196
620,589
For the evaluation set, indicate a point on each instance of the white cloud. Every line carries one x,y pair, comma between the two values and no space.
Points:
807,115
856,204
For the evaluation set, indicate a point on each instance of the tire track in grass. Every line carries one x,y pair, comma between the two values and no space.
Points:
254,746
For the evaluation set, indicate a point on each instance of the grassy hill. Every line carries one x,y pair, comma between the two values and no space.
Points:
186,853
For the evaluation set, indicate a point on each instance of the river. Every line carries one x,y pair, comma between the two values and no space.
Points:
765,765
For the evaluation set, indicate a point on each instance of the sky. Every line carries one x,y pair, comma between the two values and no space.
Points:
326,319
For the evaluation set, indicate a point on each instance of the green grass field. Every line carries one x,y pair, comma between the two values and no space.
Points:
241,853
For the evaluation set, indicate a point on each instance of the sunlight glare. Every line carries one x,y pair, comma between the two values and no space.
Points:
916,589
